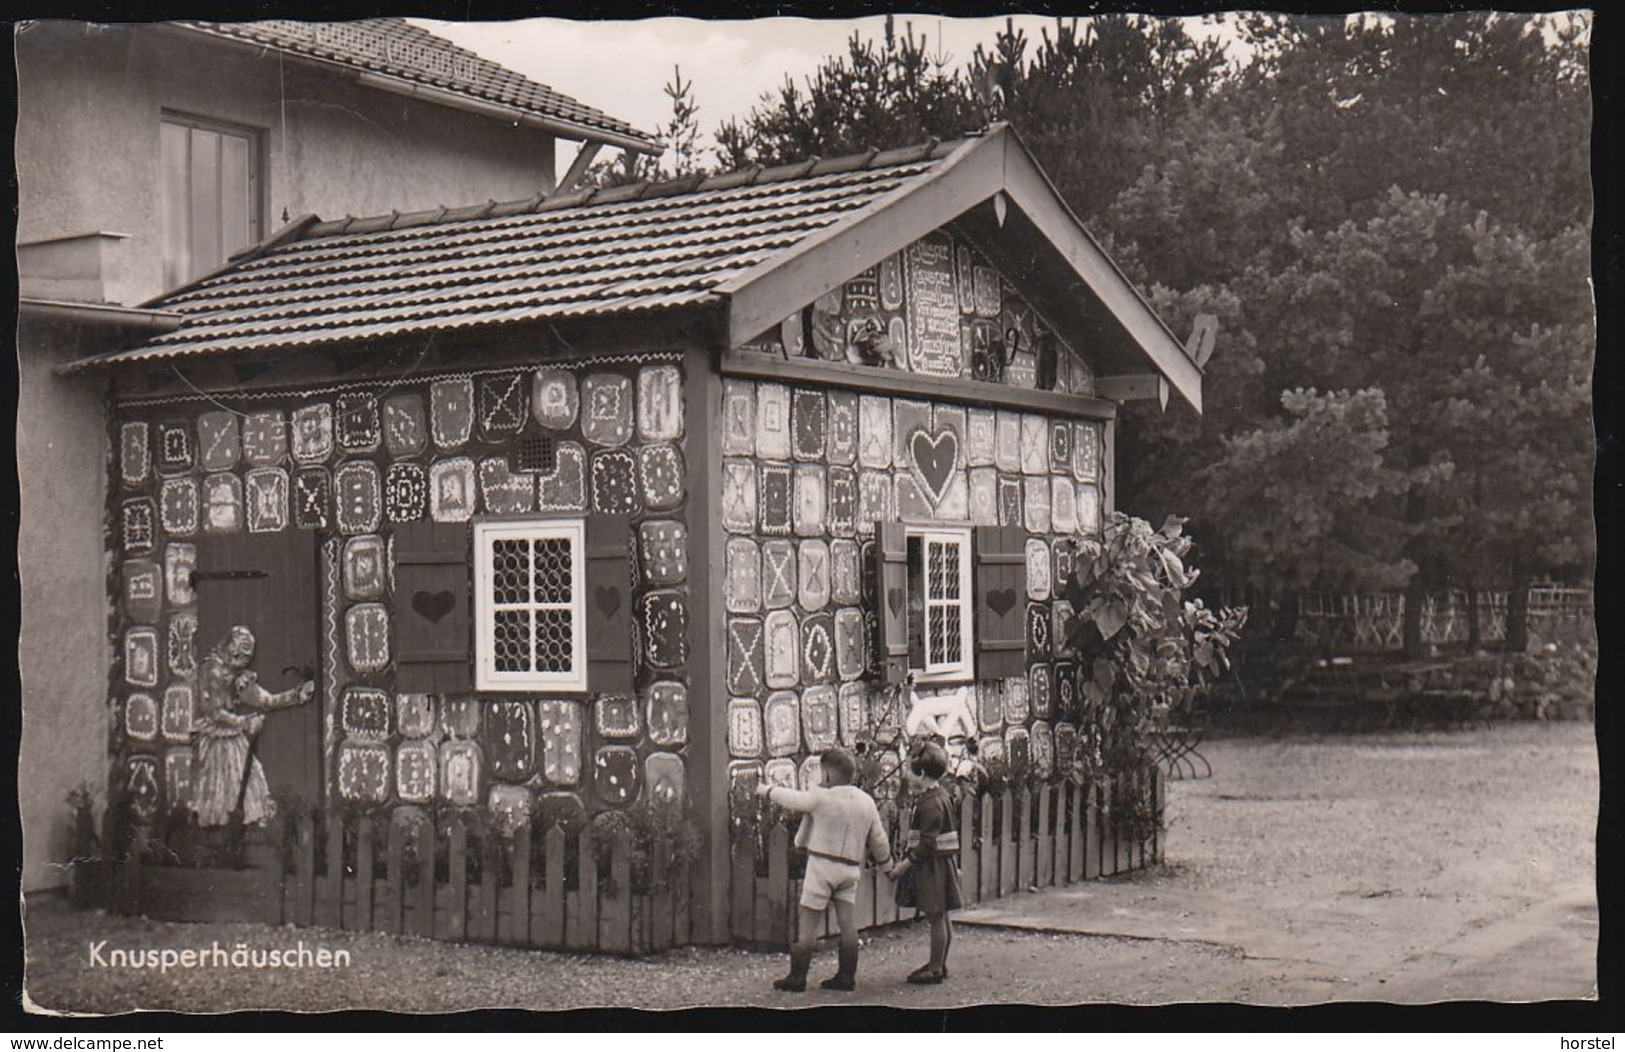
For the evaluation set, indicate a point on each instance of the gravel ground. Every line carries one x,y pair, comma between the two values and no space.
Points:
1420,858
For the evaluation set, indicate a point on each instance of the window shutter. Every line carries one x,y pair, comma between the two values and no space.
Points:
608,603
433,652
891,577
1001,587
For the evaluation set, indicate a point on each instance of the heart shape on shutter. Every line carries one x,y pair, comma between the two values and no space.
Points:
1002,601
894,599
608,599
935,458
433,605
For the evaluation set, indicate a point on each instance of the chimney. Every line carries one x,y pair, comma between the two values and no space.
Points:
80,268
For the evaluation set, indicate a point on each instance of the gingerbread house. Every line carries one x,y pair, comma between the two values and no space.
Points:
625,494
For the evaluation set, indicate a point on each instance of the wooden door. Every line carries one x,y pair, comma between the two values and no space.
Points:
268,582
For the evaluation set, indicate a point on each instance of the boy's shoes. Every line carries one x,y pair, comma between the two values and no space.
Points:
796,981
839,982
925,975
794,984
846,976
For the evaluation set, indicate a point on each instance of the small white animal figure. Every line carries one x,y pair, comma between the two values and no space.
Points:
944,714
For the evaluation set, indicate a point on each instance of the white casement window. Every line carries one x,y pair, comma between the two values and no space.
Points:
209,194
529,630
939,603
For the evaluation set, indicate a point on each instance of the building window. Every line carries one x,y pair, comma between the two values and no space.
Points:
939,603
529,628
209,195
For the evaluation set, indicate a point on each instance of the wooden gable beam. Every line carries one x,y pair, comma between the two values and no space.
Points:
1138,387
771,291
1031,191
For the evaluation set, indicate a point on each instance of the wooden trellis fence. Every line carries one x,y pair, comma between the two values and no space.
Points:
1377,622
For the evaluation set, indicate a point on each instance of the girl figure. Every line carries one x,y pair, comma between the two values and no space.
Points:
933,856
231,711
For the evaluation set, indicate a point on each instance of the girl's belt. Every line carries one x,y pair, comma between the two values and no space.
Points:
945,842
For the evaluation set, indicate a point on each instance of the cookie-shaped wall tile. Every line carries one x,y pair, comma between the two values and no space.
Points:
808,497
663,616
742,577
560,734
141,717
1035,493
661,475
874,432
363,774
810,772
747,655
845,572
990,707
1039,629
1063,506
614,483
180,646
554,400
312,433
984,496
981,438
820,720
1022,369
219,442
358,497
781,718
1018,748
266,495
451,412
509,806
615,780
178,773
365,567
1041,691
841,509
177,451
1034,445
222,503
818,648
908,417
312,499
875,500
452,494
1065,562
774,499
460,717
508,737
1039,584
616,716
1064,619
842,427
852,709
462,773
1086,452
366,636
265,438
1017,701
1010,503
745,735
141,659
365,714
406,492
356,425
134,453
955,503
668,713
142,791
851,637
663,551
565,489
505,492
416,771
987,287
1060,446
501,404
813,574
1067,696
782,639
738,418
739,496
607,407
660,403
773,427
179,562
415,715
1066,747
179,506
780,772
911,502
142,590
991,749
809,424
1089,510
664,776
406,425
1007,441
1043,750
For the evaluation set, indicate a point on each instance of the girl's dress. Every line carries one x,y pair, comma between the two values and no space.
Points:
933,850
227,698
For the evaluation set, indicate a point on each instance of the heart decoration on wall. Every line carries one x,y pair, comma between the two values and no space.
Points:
1001,601
894,600
936,458
608,599
433,605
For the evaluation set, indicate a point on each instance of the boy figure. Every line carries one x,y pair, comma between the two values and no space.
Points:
841,824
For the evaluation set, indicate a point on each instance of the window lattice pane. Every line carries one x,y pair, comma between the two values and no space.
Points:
944,571
512,644
951,637
510,572
552,570
555,640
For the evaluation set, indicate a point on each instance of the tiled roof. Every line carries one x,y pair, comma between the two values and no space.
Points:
396,48
587,253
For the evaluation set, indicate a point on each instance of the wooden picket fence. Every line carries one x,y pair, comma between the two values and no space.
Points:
360,873
1011,842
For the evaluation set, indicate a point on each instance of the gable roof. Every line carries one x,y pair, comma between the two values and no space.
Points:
404,57
759,243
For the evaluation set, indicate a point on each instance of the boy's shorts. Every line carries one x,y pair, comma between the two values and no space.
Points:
828,879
